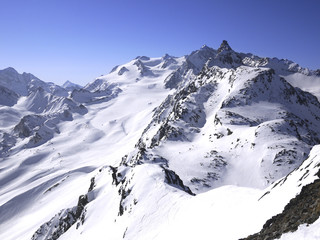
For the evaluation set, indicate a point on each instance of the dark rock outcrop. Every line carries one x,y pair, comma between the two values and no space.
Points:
303,209
65,219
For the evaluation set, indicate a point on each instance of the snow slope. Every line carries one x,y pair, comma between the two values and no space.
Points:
212,144
231,212
76,147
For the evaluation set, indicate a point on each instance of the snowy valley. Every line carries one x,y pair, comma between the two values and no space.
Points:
212,145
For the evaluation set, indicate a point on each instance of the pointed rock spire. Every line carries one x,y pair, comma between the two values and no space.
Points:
224,47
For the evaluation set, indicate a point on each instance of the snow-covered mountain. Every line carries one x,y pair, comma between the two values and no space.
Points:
212,145
30,111
25,83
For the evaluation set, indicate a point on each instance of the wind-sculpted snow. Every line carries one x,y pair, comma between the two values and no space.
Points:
209,145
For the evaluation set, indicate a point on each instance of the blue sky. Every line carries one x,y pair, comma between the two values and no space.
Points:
78,40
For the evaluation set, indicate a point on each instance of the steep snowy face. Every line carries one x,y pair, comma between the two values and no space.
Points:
14,81
304,78
228,122
197,59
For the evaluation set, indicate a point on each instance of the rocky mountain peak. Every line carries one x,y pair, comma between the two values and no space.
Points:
224,47
67,83
10,70
71,86
167,56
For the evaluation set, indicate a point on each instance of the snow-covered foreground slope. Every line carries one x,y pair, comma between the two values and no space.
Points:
159,148
228,212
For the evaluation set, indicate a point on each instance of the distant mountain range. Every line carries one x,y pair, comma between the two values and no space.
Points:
216,144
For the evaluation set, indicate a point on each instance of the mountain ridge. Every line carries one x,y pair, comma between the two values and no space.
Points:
188,135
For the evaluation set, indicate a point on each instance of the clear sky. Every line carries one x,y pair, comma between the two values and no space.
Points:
78,40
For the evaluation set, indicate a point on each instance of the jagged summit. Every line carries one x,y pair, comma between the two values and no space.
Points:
167,56
224,47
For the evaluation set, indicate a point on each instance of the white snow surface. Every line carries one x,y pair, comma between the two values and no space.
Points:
102,136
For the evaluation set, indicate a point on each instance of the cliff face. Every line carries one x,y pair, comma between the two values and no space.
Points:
303,209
